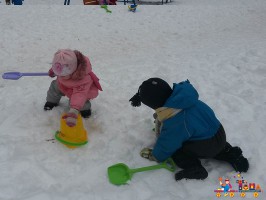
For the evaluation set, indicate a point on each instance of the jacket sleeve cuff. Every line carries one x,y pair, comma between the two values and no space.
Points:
159,156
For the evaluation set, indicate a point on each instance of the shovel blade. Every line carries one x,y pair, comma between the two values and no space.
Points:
119,174
17,75
12,75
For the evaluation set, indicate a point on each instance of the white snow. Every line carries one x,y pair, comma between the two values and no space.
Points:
220,46
79,2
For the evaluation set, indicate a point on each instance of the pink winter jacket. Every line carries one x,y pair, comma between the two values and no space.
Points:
79,91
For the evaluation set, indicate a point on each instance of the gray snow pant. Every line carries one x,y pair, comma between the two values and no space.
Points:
54,95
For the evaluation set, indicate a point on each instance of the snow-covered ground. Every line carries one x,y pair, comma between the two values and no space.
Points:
80,2
48,2
170,2
220,46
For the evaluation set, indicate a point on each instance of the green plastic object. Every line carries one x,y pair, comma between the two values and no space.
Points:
68,143
105,7
120,173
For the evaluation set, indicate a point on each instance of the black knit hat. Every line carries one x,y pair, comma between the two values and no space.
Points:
153,93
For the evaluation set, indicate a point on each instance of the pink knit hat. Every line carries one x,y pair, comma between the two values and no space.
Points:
64,62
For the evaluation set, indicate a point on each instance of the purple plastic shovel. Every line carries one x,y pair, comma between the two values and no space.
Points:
17,75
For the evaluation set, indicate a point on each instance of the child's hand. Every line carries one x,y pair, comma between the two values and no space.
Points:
71,117
147,153
51,73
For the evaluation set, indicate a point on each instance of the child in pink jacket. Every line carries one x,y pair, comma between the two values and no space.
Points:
75,80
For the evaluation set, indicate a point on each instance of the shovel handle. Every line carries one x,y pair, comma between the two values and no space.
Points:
142,169
168,164
35,74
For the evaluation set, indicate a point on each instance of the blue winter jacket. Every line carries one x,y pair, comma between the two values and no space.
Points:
17,2
196,121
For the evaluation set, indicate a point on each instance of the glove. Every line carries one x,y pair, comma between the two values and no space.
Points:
71,117
147,153
51,73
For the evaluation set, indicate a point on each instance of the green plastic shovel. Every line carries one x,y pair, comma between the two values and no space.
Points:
120,173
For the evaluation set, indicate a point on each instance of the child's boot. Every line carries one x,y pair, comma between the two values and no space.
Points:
49,105
197,172
192,168
234,156
85,113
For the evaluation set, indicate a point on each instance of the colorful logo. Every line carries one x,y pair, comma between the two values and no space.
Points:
242,189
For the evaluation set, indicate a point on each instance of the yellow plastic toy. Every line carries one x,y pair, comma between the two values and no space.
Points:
72,137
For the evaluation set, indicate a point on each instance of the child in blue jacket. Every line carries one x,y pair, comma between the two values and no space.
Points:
187,129
17,2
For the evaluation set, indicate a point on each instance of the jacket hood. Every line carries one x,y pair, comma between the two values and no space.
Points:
184,95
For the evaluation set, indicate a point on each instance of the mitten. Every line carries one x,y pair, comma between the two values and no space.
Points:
147,153
71,117
51,73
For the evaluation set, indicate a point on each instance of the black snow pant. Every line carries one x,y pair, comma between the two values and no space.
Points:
188,156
